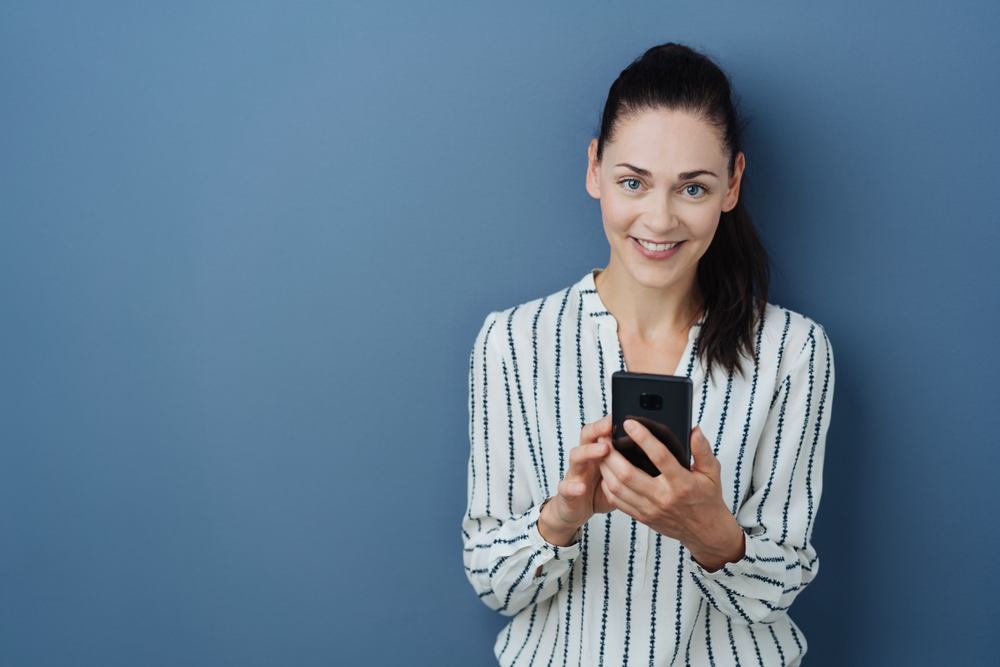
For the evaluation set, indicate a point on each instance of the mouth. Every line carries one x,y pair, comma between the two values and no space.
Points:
657,247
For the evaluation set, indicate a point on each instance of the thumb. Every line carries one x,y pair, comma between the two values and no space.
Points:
704,459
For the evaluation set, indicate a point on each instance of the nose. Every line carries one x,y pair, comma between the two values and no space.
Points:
662,219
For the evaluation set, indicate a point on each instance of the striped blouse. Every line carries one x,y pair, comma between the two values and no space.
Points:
622,593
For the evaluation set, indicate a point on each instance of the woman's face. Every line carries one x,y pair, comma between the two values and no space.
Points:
663,179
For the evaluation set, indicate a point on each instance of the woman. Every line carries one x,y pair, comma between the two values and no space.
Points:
595,560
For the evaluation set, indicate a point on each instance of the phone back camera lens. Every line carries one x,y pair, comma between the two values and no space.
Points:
650,401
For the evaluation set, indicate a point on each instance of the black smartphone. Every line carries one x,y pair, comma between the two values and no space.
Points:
661,403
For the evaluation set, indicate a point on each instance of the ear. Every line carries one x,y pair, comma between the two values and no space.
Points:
593,179
733,193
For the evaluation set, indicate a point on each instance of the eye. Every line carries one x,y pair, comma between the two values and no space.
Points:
687,189
632,180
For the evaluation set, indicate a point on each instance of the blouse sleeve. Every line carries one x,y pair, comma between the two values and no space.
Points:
779,513
507,561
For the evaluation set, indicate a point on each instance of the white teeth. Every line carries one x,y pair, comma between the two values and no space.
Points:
656,246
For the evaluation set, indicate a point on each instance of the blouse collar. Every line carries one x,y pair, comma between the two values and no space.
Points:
595,307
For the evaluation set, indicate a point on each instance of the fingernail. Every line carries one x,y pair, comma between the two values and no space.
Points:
629,424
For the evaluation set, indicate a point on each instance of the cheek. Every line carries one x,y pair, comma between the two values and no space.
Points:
704,224
618,213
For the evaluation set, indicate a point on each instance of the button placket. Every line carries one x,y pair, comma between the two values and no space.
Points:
614,361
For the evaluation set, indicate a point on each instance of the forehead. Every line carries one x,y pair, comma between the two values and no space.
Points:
667,140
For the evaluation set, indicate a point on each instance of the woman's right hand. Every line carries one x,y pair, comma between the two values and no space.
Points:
580,495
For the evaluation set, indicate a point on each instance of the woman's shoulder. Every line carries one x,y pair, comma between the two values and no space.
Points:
790,322
792,333
526,319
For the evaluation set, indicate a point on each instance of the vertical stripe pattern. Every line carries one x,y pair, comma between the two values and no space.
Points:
619,593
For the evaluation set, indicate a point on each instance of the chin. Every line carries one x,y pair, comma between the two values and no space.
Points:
652,273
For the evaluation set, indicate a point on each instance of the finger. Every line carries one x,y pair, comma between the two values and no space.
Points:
595,429
623,488
637,478
604,425
658,453
619,502
584,454
571,489
584,460
704,458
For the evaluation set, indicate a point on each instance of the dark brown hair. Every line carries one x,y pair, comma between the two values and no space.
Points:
734,272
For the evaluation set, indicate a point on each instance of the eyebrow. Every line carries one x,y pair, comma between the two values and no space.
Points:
684,175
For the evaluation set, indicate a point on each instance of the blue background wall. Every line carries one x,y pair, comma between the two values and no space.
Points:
231,231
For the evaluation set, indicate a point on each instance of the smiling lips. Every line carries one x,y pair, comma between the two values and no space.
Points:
651,245
657,250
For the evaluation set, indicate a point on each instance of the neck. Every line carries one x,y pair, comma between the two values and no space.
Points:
650,313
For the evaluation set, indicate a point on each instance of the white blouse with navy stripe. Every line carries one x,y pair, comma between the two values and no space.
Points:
622,593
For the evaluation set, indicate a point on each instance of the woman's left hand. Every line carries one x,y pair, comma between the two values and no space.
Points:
680,503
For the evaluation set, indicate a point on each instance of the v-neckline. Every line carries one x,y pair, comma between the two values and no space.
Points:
609,323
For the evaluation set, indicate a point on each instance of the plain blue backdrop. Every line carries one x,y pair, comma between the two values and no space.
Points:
245,248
